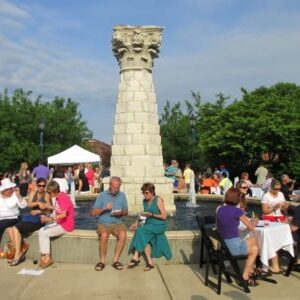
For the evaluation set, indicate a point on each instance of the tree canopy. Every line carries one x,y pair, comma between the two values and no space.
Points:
20,116
263,125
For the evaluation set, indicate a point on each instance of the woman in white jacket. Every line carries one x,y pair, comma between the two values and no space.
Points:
10,204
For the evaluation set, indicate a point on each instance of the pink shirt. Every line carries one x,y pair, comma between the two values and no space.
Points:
63,204
90,174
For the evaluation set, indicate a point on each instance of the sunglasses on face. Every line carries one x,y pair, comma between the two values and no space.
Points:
276,189
244,187
41,185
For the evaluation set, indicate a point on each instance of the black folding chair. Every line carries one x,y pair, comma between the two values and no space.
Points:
203,222
292,260
223,254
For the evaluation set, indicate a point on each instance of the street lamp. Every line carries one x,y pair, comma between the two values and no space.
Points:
193,124
41,127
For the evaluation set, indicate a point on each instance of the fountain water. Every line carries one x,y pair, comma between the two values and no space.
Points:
192,192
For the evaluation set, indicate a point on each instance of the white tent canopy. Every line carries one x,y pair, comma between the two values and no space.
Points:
73,155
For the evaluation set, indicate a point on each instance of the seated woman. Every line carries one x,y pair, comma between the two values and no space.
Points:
62,222
273,203
243,188
228,219
39,202
10,203
150,238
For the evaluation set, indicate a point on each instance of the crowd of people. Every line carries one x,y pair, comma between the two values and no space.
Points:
52,215
51,212
217,181
79,178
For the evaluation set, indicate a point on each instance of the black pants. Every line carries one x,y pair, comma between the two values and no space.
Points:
6,223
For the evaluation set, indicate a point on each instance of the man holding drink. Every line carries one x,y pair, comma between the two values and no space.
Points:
111,206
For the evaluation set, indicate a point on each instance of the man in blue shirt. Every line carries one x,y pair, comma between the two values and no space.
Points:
111,206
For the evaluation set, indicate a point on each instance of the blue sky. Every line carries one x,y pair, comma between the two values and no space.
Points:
63,48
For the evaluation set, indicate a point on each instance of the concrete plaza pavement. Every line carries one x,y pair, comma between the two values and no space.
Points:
80,281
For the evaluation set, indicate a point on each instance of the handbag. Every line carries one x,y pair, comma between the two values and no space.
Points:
31,218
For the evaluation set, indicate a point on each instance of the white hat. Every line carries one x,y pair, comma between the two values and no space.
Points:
6,184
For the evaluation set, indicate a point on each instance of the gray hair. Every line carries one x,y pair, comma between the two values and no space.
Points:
115,178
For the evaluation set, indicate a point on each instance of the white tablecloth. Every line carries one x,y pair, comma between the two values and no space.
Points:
272,238
257,192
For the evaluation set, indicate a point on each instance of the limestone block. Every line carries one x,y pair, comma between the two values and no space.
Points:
153,150
134,171
143,75
128,75
164,188
133,128
149,107
145,85
144,180
119,128
134,150
134,106
116,171
125,118
132,85
117,150
157,161
121,108
120,160
155,139
126,180
140,96
140,139
141,160
164,180
150,128
153,172
125,96
124,139
151,97
143,117
132,188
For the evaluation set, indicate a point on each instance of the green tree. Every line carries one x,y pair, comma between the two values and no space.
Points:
266,120
20,117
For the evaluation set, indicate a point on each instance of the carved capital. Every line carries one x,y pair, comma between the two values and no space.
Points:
136,47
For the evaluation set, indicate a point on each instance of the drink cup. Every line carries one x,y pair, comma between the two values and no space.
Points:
266,223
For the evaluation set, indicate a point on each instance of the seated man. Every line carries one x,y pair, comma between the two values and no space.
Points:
111,206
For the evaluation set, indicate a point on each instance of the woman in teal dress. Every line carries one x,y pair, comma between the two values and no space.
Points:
150,237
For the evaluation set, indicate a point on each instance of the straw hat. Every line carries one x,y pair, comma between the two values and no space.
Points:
6,184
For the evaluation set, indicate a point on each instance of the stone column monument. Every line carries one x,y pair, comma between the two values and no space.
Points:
136,150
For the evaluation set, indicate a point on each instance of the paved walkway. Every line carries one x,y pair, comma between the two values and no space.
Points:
75,281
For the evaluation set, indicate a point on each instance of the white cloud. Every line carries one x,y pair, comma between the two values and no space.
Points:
8,9
261,48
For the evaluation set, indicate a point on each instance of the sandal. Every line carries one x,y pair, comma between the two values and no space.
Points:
133,263
250,282
17,261
149,267
99,266
117,265
44,265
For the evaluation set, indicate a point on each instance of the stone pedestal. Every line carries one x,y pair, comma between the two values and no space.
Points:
136,150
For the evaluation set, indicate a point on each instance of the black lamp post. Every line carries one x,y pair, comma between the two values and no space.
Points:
41,127
193,124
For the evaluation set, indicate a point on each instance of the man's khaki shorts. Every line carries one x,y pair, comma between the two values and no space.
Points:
113,229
